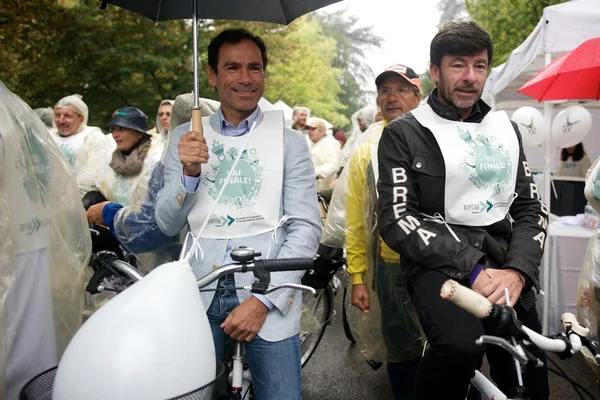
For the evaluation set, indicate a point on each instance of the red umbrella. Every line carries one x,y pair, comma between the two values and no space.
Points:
574,75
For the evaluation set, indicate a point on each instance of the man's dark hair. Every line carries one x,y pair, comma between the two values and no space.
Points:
460,39
576,156
234,36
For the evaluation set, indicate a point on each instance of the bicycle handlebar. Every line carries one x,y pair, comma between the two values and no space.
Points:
501,320
275,265
260,267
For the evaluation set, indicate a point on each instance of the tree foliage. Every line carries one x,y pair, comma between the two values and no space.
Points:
509,22
352,46
452,10
111,57
114,57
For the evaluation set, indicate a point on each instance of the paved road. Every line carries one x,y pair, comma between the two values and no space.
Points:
338,371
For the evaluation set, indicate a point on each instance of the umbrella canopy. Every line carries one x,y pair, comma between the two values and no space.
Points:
277,11
574,75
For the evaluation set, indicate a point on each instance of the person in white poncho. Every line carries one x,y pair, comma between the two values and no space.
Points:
83,146
136,154
163,121
44,248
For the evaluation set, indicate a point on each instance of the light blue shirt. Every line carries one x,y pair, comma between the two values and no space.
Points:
191,182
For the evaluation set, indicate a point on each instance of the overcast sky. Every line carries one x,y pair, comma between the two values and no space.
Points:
407,28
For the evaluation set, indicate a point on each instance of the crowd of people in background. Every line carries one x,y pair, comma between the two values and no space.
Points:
388,258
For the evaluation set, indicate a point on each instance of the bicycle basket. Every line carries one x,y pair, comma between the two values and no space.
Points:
329,260
40,387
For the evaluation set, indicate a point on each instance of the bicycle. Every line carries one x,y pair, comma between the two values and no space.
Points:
113,274
516,338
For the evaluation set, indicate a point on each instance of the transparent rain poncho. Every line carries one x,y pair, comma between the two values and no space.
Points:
135,225
41,216
588,290
390,331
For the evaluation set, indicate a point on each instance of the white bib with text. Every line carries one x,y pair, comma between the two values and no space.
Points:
73,147
481,162
251,201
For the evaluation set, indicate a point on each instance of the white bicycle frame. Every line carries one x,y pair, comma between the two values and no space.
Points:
240,379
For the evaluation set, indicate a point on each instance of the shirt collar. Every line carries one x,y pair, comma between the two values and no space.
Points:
242,128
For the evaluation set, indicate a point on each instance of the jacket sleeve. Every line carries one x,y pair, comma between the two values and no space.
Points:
400,224
299,200
355,225
174,202
530,217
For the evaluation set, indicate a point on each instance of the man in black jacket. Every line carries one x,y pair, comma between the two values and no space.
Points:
457,200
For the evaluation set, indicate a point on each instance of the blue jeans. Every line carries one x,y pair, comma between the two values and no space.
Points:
275,366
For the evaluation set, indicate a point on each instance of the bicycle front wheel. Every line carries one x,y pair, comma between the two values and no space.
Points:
316,312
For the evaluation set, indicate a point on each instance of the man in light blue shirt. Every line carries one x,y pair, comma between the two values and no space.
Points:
275,160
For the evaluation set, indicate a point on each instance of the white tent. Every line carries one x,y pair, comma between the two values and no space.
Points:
265,105
561,28
287,110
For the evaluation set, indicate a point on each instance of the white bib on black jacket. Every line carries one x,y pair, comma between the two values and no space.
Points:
481,162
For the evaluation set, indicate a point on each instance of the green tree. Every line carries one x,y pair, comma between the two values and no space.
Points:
111,57
452,10
353,45
509,22
427,84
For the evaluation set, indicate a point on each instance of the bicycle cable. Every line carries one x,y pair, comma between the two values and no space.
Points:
574,384
246,392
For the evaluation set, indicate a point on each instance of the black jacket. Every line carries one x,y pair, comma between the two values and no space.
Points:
518,245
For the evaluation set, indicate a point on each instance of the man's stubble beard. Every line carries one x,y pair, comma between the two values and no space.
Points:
446,94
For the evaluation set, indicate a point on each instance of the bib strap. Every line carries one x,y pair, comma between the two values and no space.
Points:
438,219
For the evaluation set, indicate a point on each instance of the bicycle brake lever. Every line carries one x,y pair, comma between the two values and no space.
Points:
519,352
516,351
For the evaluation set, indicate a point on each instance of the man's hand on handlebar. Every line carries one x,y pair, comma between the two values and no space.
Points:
500,279
245,320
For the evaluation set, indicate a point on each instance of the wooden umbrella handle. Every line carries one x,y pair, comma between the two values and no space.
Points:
197,121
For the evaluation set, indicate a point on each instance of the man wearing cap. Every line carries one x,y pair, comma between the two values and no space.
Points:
84,147
457,201
373,267
135,156
324,152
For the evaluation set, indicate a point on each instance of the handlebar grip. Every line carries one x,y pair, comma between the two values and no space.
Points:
466,298
286,264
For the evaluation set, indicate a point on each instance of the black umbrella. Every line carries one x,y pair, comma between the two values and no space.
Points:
276,11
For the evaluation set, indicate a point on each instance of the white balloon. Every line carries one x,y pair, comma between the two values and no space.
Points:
153,341
531,124
571,126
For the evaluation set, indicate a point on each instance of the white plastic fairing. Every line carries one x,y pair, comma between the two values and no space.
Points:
151,342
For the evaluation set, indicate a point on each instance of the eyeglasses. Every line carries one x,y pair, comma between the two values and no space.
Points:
160,114
401,92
